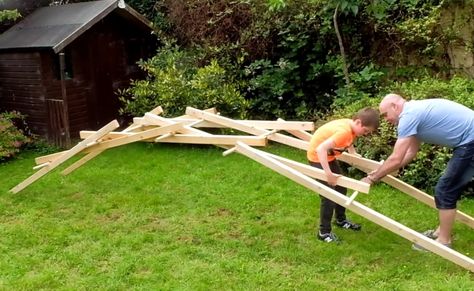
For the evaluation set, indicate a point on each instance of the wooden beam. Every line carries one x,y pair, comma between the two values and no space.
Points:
214,139
81,162
65,156
263,124
359,208
128,138
284,139
301,134
355,160
158,120
319,174
134,126
111,135
351,198
367,166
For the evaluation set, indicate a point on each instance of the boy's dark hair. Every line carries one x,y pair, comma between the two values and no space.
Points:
368,116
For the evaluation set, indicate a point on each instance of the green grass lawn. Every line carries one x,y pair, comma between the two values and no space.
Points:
176,217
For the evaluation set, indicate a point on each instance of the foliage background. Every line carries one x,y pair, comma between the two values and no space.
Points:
284,59
268,59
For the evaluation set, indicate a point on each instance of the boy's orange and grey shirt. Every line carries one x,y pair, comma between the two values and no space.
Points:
339,130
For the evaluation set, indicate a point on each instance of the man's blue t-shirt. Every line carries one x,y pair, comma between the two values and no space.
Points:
437,121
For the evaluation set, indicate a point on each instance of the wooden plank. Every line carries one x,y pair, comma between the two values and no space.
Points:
351,198
111,135
124,139
151,118
359,208
263,124
214,139
354,160
129,138
187,129
268,124
157,110
421,196
301,134
81,162
98,147
319,174
297,143
65,156
134,126
156,120
138,136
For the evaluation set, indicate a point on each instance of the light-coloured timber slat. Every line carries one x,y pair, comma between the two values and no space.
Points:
355,160
301,134
319,174
111,135
351,198
158,120
138,136
157,110
66,155
421,196
95,153
278,137
359,208
133,127
263,124
81,162
214,139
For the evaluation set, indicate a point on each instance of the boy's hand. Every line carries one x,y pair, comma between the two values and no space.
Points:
332,179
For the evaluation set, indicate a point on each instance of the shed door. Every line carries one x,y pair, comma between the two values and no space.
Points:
107,55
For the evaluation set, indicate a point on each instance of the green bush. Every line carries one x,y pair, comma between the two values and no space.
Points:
430,162
12,134
175,81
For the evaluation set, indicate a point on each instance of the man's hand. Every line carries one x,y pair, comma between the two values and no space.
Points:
367,180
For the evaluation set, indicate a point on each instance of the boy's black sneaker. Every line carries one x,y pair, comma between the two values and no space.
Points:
347,224
328,237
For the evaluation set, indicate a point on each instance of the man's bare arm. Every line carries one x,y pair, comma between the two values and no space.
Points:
404,151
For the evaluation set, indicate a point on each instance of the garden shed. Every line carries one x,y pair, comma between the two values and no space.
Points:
63,65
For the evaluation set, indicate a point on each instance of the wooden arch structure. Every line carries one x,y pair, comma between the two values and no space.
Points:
188,129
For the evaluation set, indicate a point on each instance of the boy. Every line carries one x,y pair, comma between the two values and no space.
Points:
328,142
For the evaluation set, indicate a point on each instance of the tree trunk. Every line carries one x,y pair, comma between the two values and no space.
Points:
341,48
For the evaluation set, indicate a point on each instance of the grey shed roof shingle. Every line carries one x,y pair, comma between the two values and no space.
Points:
57,26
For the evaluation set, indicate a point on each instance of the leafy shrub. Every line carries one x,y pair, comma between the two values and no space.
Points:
12,134
175,81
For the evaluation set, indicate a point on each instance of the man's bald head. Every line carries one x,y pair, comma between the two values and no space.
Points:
391,106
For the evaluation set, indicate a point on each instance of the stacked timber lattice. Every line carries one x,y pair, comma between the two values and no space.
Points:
190,128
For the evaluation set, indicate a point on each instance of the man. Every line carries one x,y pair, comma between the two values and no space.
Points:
435,121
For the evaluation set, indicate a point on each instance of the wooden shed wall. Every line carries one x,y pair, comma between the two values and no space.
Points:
103,60
77,88
21,88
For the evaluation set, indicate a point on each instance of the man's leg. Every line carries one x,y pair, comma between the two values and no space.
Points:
446,222
459,172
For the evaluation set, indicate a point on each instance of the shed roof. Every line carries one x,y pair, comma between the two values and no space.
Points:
57,26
